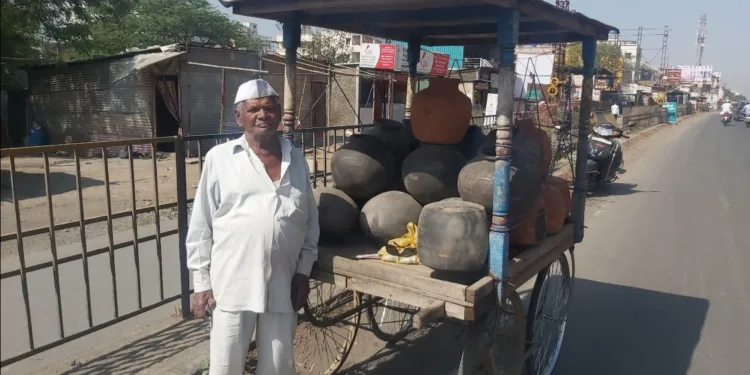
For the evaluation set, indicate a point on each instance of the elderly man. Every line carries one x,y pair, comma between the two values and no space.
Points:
253,239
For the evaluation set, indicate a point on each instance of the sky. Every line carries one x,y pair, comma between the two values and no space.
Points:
727,45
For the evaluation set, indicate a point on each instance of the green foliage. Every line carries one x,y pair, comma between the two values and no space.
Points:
331,46
607,56
34,30
160,22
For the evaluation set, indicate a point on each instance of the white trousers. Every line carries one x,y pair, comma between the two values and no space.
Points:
232,332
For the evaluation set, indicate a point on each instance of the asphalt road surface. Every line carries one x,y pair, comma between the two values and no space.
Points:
663,274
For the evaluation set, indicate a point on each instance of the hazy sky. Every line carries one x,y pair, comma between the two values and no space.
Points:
727,40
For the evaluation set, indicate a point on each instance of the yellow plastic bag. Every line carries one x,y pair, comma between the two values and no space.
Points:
402,250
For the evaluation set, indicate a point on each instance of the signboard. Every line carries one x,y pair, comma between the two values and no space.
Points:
402,59
577,80
378,56
673,75
695,73
596,95
601,84
433,63
534,94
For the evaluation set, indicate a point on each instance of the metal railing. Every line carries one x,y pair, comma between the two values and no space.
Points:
317,144
86,253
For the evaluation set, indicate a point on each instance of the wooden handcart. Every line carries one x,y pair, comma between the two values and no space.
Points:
344,288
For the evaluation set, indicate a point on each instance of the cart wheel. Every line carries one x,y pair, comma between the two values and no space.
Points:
390,320
326,330
496,342
547,316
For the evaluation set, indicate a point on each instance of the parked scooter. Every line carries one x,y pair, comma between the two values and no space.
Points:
605,161
726,119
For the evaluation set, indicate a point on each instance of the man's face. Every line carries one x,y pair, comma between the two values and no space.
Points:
259,116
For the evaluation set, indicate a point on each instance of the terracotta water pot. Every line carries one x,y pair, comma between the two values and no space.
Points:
554,206
440,114
531,228
539,136
564,188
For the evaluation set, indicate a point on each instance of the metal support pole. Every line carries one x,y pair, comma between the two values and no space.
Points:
292,31
413,50
507,39
579,190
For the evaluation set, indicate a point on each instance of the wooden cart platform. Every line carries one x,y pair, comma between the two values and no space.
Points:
417,285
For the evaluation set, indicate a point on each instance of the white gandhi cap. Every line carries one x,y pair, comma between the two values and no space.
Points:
254,89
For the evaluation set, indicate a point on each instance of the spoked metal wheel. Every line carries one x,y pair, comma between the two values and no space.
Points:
390,320
496,342
547,316
326,330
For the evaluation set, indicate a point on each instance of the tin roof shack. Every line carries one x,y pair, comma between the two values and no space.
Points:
139,94
101,99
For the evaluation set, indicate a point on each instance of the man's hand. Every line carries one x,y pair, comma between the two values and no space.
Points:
300,290
201,302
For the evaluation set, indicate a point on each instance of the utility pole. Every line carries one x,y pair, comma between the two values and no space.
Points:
638,53
560,47
699,45
665,51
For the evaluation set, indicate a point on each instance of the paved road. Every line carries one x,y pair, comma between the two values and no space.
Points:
663,275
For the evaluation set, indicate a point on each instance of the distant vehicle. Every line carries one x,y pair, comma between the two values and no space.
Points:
740,114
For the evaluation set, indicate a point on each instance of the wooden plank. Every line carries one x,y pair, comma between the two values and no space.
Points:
339,261
408,297
523,260
480,289
429,314
534,260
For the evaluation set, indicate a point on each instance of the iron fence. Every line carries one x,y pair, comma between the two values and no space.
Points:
317,144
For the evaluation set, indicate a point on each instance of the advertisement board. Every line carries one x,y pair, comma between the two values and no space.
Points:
431,63
378,56
695,73
673,75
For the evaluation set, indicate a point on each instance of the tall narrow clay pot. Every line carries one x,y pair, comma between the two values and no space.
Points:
440,114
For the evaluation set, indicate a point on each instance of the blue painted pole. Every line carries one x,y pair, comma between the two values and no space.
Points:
507,39
588,52
292,31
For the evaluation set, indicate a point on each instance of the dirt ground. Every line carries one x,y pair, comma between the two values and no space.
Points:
32,199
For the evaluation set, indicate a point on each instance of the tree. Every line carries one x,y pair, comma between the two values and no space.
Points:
38,30
160,22
608,56
331,46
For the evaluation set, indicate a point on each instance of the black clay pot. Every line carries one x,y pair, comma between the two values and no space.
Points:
453,236
430,173
476,180
385,216
363,167
337,212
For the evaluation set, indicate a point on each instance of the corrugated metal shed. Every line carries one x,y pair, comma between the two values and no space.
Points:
200,88
455,52
84,102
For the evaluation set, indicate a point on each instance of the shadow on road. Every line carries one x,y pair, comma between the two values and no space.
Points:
619,188
31,185
434,351
619,330
144,353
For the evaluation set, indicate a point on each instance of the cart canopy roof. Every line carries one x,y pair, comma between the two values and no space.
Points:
439,22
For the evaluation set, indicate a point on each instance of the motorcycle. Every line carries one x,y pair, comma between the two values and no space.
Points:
605,161
726,119
747,120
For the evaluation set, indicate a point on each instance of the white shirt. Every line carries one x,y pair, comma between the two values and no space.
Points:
247,238
615,109
726,108
747,109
